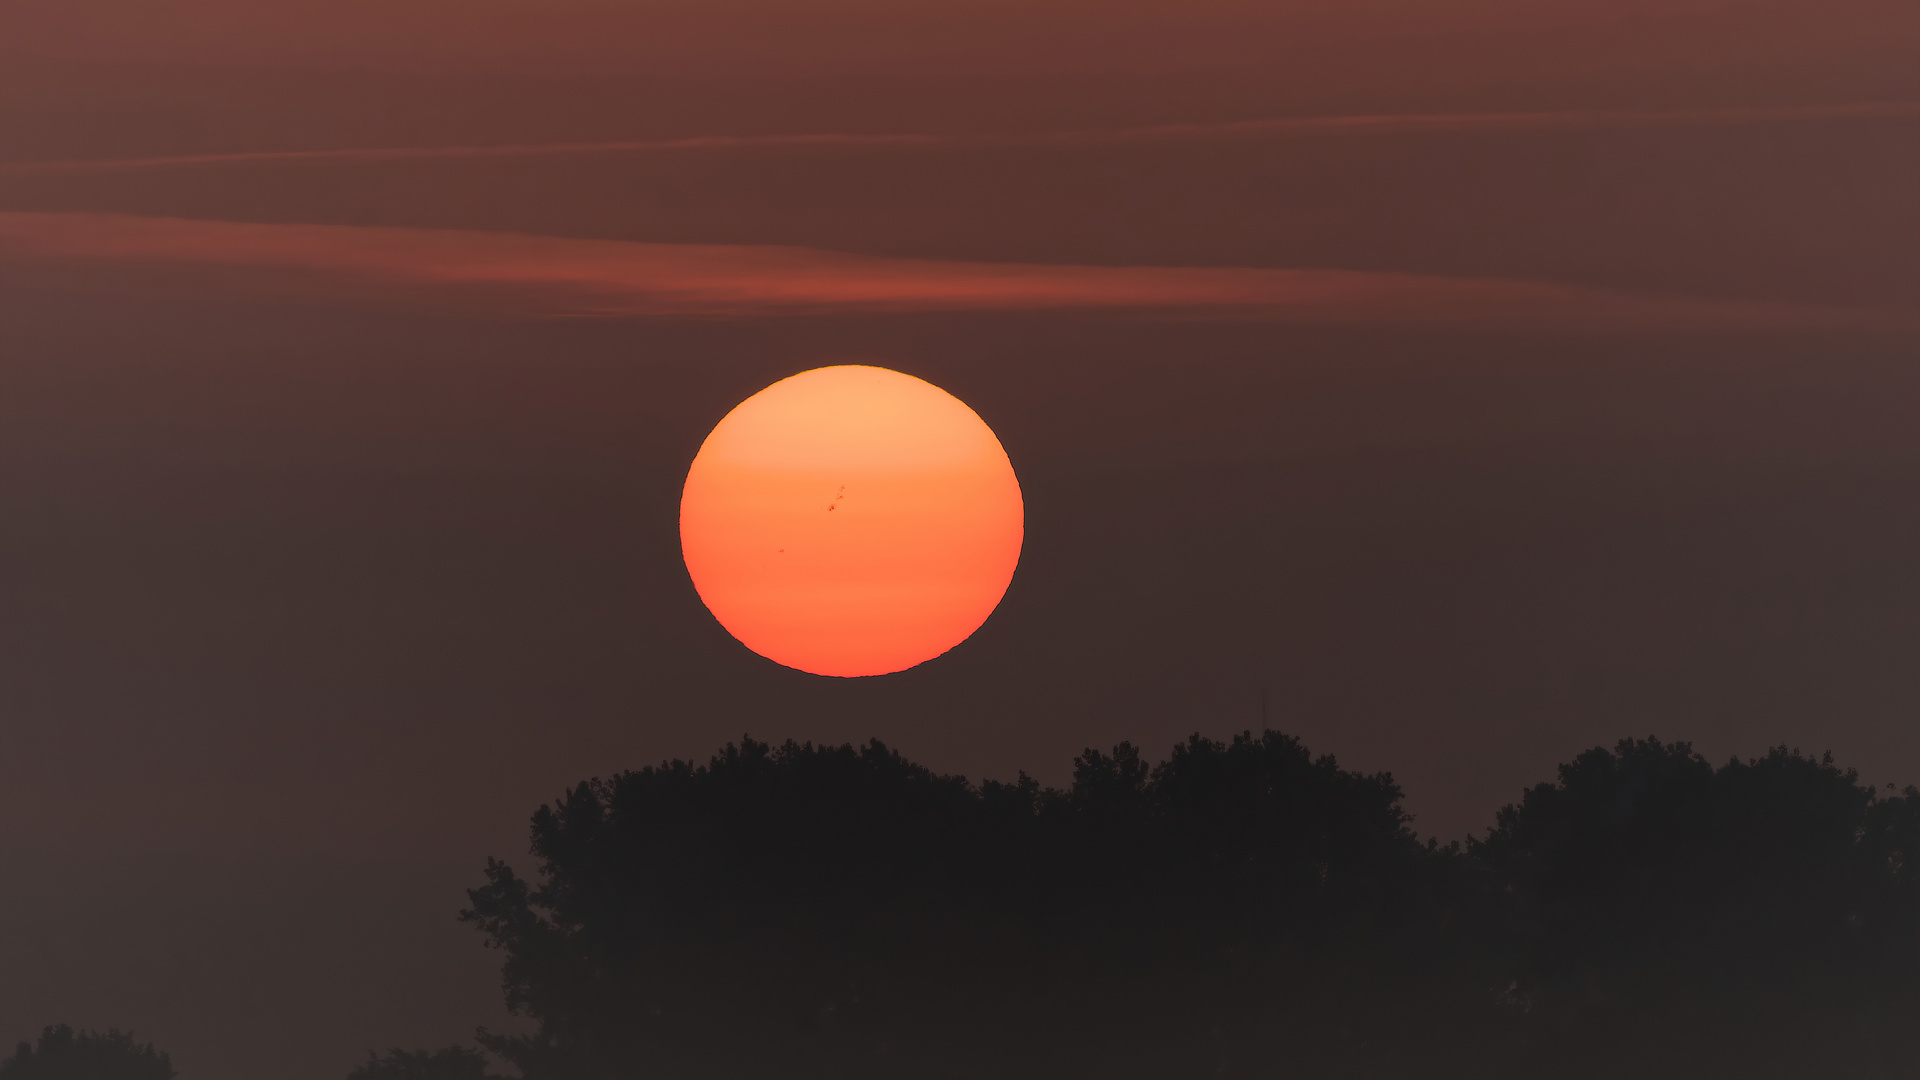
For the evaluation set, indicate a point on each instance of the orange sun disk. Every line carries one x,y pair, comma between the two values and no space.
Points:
851,521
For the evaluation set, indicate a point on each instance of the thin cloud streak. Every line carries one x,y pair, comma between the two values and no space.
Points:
1225,130
555,276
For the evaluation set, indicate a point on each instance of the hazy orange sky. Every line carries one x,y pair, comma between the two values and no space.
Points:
1473,382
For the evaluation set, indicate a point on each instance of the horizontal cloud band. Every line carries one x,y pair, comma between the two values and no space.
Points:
1234,129
558,276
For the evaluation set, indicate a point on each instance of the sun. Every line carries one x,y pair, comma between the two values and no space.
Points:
851,521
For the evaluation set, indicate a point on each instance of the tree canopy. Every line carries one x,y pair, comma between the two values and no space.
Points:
61,1053
803,910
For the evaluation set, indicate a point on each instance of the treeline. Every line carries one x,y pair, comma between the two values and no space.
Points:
61,1053
1241,908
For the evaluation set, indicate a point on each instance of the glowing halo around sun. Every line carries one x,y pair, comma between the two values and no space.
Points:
851,521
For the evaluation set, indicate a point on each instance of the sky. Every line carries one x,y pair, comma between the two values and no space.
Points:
1455,386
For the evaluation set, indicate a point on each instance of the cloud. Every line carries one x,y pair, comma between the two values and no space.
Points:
1384,123
555,276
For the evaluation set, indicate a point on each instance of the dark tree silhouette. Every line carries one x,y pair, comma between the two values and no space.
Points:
449,1063
65,1054
1240,908
857,907
1647,871
768,884
1766,898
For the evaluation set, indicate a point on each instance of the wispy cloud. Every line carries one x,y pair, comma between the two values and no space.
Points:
1227,130
556,276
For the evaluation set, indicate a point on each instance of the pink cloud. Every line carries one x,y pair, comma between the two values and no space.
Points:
557,276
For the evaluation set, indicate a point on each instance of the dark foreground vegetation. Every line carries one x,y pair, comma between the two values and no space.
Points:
62,1053
1239,909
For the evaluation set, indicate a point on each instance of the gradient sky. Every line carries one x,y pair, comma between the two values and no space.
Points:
1474,383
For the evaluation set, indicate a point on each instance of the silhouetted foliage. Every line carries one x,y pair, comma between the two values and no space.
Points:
1240,907
65,1054
449,1063
1646,871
